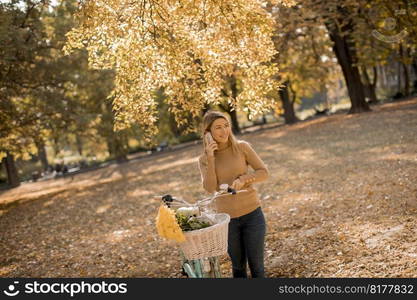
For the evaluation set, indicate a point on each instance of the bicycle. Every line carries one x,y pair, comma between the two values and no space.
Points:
204,266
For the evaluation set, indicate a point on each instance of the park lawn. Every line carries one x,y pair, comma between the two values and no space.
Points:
341,201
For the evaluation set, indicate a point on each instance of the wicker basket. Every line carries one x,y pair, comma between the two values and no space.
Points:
207,242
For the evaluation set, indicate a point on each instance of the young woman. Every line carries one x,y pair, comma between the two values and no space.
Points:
225,161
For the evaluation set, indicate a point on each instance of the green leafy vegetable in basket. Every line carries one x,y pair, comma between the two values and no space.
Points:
188,223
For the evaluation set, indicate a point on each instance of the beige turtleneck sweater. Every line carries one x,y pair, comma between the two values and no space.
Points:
227,166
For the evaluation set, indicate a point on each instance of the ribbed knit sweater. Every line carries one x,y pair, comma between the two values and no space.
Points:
227,166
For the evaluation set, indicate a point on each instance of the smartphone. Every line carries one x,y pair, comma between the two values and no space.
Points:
209,138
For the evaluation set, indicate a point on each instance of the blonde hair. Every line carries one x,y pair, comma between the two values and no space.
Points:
209,118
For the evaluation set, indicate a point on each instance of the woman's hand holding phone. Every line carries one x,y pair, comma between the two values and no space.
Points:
211,145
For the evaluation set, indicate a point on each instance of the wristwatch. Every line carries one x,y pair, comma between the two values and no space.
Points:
248,180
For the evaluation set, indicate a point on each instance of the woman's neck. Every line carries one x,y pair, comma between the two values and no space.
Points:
222,146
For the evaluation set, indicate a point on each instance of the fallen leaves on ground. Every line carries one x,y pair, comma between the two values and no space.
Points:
340,202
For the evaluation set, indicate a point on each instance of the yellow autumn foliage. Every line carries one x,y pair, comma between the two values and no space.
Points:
167,225
188,47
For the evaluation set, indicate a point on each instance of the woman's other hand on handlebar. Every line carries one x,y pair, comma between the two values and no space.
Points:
237,184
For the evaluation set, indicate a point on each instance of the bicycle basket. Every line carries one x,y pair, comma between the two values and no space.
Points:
207,242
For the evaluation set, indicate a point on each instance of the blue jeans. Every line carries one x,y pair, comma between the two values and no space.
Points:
246,244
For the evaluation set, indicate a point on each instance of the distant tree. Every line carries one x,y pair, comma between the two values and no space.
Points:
45,95
304,56
339,18
24,80
230,93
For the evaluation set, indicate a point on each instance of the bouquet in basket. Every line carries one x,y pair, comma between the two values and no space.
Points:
172,223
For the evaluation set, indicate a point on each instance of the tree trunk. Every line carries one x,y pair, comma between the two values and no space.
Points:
120,147
12,175
110,147
414,65
116,140
55,145
399,83
40,145
406,73
289,113
115,146
233,117
235,122
406,80
323,91
205,109
229,108
233,113
370,86
375,81
173,126
384,79
347,58
79,143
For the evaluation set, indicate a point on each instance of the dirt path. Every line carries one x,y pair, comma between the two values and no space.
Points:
341,202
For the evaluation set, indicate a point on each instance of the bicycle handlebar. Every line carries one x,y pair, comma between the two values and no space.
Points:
171,201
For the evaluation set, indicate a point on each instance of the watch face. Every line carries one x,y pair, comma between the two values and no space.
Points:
224,186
